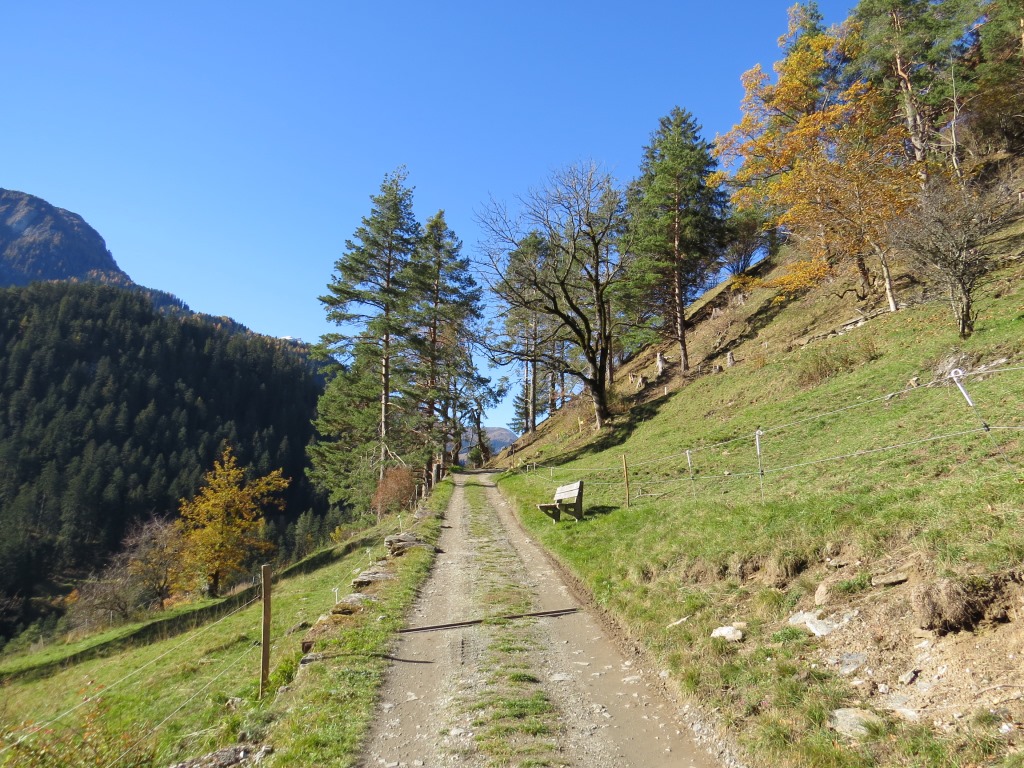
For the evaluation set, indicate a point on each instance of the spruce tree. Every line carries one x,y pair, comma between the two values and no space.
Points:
446,306
677,221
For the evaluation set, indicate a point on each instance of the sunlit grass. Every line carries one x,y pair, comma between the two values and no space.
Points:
196,692
859,458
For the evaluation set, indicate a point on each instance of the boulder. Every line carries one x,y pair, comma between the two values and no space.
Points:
371,576
889,579
812,623
851,662
351,604
729,634
853,722
242,755
401,543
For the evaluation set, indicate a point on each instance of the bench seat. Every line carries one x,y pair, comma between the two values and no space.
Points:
568,499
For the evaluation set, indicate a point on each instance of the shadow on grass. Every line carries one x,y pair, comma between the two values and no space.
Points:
598,511
616,432
757,321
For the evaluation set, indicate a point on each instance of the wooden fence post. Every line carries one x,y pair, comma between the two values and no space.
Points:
625,476
265,656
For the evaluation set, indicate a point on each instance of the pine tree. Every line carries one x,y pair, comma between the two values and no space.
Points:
369,291
911,50
997,112
677,216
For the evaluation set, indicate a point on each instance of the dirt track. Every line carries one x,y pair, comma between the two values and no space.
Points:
549,691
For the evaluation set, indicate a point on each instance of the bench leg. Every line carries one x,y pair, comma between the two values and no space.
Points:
554,511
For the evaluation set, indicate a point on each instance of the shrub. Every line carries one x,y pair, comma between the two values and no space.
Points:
395,492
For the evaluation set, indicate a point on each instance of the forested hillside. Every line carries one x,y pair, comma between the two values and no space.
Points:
111,412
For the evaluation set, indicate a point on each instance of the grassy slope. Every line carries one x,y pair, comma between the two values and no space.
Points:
173,695
710,550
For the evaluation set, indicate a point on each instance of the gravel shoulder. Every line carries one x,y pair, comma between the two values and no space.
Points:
546,691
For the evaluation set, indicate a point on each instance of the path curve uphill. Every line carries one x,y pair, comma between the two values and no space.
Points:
538,691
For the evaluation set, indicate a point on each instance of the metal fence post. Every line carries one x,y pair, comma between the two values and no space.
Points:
265,656
760,466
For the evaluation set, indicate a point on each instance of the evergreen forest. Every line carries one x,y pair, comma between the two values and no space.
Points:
110,413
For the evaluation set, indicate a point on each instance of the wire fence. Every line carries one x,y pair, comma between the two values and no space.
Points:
974,412
218,661
188,640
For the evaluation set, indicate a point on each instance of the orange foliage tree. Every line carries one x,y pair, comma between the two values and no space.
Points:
851,183
759,149
221,525
822,155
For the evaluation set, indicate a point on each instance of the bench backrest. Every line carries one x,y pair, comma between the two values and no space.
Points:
572,491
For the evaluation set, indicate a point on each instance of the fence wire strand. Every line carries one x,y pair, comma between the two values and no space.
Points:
184,704
934,384
189,638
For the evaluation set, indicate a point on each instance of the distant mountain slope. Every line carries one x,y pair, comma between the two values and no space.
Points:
111,411
39,241
497,437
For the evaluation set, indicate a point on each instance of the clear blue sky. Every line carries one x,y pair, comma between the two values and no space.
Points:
225,150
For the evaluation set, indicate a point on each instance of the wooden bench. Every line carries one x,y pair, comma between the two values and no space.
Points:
568,498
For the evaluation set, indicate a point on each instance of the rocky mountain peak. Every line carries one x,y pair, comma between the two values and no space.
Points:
39,241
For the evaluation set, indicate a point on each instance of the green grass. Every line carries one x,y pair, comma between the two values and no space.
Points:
196,692
705,547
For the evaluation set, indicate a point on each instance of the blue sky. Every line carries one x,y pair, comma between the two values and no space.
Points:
226,150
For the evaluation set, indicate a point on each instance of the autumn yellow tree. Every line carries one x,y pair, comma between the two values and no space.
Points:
821,153
850,183
759,150
221,525
775,130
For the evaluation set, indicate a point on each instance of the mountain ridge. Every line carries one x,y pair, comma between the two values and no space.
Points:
40,241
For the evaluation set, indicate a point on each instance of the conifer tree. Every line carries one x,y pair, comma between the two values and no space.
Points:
911,49
998,109
677,216
344,456
446,307
370,291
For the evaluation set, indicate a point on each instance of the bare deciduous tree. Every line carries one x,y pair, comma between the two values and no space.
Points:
947,235
154,549
559,257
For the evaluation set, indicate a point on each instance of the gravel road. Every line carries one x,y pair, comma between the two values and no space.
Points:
543,691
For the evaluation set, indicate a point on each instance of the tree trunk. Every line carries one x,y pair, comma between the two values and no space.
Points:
865,278
679,299
600,397
532,368
911,113
385,395
890,291
960,301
